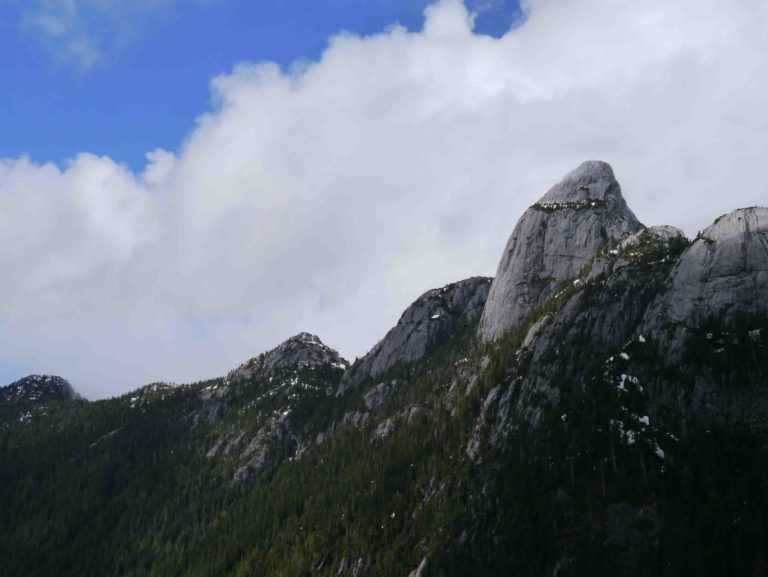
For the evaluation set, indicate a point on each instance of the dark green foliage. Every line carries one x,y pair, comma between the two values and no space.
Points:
580,496
737,352
123,487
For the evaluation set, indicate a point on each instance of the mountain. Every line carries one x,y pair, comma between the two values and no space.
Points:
33,395
302,350
599,407
724,275
431,317
36,389
279,393
555,240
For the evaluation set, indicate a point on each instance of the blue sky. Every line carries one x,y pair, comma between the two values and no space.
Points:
145,76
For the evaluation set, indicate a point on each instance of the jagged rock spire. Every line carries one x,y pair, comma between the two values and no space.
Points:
555,240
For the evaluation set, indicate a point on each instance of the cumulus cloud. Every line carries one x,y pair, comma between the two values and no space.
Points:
64,227
328,196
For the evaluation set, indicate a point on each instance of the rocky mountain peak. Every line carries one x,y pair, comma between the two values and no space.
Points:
723,274
591,180
37,389
742,222
556,240
432,315
301,350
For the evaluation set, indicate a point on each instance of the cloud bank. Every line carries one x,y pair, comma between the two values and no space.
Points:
327,197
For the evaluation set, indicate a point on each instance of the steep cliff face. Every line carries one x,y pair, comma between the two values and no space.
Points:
723,275
685,321
555,240
431,316
591,320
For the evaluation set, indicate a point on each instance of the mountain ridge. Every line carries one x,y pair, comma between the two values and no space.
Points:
616,424
37,389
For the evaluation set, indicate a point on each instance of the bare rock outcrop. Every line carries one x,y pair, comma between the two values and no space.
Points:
301,350
723,274
555,240
659,234
433,315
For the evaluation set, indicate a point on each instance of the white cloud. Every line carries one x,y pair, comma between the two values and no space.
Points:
85,32
328,197
66,229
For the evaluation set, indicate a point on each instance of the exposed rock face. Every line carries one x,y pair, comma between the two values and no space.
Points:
263,450
37,389
724,274
657,234
654,242
602,315
556,239
431,316
596,314
302,350
653,294
377,396
385,428
279,391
